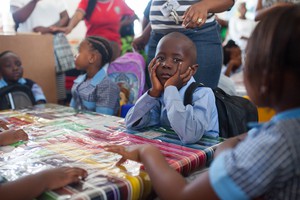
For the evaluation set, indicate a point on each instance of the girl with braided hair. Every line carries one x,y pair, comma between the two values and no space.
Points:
94,91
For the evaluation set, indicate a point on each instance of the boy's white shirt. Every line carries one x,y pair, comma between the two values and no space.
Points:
46,13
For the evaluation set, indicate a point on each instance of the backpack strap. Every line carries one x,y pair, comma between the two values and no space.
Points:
188,95
4,91
29,83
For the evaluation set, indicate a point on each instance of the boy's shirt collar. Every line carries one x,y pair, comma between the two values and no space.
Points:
3,83
99,76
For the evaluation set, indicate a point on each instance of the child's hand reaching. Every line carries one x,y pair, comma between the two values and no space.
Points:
11,136
179,79
129,152
157,87
62,176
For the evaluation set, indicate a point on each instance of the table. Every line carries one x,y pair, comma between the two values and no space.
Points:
60,136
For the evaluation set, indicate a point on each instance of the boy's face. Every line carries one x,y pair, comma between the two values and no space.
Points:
169,53
11,67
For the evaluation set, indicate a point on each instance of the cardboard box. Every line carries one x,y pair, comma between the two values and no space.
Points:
37,55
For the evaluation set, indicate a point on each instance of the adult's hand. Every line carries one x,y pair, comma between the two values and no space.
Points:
42,30
195,15
65,30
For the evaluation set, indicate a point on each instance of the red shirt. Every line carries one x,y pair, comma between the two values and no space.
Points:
105,20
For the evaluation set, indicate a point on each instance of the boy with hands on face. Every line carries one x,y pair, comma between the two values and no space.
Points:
171,72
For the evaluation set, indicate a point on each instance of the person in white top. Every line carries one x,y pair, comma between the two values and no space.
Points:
240,27
38,15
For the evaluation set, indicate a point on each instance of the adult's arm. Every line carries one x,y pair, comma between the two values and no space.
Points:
140,42
20,15
63,21
77,17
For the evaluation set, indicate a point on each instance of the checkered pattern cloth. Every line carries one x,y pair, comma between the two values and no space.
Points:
64,58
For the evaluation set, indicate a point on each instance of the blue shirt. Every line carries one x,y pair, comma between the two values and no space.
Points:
266,163
36,89
98,94
190,122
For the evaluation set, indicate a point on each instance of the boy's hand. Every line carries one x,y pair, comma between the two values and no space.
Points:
11,136
129,152
157,87
62,176
179,79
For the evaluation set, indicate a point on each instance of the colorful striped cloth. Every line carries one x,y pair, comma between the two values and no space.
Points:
60,136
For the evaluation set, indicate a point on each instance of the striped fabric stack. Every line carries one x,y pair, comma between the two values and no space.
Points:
59,136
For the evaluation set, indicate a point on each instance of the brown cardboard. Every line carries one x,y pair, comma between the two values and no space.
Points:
37,55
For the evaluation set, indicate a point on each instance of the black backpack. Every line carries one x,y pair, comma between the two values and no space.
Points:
16,96
234,112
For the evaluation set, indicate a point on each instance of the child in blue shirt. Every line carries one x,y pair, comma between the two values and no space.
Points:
94,91
11,70
265,163
171,72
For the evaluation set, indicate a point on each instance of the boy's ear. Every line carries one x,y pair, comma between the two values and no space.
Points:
194,68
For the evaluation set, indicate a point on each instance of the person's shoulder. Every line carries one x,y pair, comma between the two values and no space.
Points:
29,81
200,91
289,128
277,133
107,82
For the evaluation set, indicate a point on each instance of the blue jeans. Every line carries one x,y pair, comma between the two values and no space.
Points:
209,52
